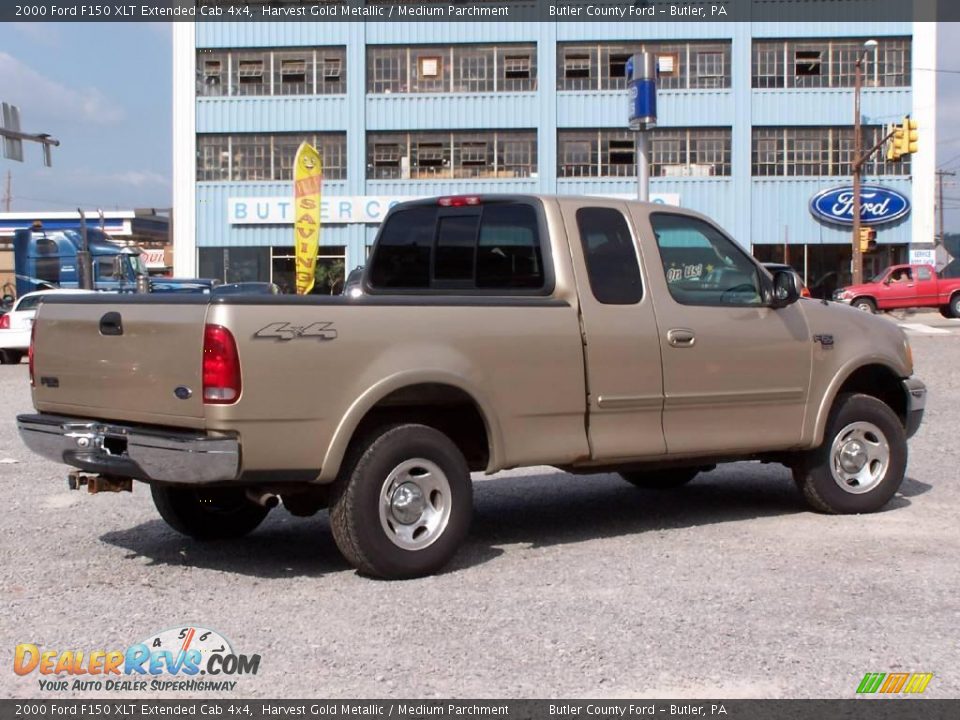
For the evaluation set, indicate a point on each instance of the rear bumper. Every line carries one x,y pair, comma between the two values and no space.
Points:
916,393
106,448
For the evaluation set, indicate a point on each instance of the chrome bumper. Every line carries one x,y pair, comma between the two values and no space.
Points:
916,393
127,451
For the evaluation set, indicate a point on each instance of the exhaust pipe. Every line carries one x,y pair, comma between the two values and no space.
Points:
263,499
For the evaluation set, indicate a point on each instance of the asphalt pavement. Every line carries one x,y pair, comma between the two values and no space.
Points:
568,586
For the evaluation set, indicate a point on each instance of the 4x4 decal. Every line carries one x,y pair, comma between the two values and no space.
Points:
285,331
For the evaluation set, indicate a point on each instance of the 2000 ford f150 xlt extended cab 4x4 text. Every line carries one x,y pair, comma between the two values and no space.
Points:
493,332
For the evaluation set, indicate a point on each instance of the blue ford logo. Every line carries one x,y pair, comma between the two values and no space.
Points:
878,205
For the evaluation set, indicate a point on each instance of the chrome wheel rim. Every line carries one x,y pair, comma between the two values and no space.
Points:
415,504
859,457
863,307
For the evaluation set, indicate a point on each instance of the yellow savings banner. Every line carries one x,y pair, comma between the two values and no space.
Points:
307,180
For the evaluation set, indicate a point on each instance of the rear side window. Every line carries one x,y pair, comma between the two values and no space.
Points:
487,247
403,250
508,251
610,255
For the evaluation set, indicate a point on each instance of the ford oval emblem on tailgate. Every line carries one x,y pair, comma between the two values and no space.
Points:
183,392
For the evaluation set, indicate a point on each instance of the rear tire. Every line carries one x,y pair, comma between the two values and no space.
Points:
862,460
402,504
207,513
661,479
946,312
864,305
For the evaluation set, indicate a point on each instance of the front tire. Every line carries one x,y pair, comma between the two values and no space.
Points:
661,479
862,460
402,504
10,357
955,305
864,305
207,513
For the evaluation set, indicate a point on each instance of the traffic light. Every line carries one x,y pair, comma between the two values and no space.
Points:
896,141
868,239
909,136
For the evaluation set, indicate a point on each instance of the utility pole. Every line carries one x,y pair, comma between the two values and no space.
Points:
8,192
940,176
858,161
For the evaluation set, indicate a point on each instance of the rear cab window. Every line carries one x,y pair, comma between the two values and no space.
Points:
493,248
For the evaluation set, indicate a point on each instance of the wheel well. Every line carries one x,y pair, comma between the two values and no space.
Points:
863,297
880,382
442,407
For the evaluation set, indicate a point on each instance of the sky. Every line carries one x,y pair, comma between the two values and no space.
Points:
104,91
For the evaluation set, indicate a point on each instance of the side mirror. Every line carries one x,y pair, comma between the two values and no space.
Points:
786,288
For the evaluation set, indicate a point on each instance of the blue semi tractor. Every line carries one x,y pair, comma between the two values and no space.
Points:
49,259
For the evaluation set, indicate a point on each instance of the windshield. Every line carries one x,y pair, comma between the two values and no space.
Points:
877,278
137,265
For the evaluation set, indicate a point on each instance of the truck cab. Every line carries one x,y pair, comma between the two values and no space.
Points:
46,260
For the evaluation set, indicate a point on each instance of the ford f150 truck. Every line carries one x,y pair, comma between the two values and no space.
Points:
493,332
904,286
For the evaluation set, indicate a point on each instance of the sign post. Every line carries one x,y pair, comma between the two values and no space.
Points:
642,82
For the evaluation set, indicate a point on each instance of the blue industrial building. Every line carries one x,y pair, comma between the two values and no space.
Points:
754,120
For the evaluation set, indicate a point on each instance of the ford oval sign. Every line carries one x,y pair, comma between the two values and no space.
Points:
878,205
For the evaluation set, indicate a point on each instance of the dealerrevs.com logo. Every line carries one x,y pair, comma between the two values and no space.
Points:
894,683
187,659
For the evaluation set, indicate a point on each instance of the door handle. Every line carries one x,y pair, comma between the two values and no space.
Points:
681,337
111,324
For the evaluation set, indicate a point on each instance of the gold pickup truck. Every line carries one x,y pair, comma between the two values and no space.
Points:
493,332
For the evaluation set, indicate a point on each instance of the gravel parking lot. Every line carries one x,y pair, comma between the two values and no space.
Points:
568,586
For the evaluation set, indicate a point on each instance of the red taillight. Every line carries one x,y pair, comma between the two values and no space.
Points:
458,201
33,341
804,291
4,322
221,366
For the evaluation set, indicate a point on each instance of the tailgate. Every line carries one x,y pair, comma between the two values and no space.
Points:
121,358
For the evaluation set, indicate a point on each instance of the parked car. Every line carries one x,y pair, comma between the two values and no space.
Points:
904,286
15,325
590,334
777,267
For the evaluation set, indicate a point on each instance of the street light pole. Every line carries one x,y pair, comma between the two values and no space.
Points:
858,159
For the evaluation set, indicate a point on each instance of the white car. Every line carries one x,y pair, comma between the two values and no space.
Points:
15,326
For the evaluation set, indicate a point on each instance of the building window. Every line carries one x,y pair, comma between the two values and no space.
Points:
263,156
674,152
817,151
291,74
301,71
473,71
249,77
454,68
682,66
420,156
212,73
213,157
830,63
387,70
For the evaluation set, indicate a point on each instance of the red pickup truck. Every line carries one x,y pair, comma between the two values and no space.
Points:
904,286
